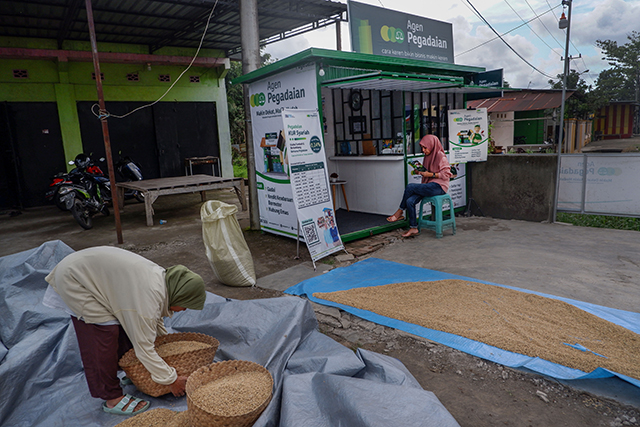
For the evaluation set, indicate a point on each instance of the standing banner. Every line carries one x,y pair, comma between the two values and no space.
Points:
468,135
293,88
310,182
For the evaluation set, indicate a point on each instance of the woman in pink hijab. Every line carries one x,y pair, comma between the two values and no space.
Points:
435,182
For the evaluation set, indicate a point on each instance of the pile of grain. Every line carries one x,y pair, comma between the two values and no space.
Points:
515,321
179,347
159,417
233,395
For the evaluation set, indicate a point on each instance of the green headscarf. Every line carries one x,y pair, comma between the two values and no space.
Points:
184,288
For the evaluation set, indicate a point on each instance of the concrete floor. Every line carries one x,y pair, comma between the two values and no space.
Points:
599,266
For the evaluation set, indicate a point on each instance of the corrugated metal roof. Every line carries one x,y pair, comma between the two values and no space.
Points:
159,23
525,100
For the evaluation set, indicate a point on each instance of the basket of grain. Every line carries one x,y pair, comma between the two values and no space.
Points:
185,351
228,394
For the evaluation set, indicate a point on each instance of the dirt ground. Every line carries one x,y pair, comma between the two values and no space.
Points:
476,392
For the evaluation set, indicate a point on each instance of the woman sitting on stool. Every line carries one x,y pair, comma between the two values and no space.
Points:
435,182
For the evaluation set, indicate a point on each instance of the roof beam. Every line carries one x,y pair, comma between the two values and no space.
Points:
70,14
111,57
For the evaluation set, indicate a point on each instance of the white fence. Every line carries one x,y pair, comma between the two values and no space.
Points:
611,187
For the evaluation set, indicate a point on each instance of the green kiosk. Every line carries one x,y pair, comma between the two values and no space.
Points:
374,110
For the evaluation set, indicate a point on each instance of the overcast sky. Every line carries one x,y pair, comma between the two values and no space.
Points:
540,41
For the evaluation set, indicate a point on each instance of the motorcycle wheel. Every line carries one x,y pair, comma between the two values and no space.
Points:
105,210
139,196
59,204
81,215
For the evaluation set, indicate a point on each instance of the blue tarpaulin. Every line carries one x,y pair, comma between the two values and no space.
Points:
377,272
317,382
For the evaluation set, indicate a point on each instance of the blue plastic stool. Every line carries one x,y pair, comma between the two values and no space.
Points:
439,224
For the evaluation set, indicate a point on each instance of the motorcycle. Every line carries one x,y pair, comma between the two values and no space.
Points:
130,171
85,197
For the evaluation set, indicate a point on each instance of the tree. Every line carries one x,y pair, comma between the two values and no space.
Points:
582,103
235,100
235,105
622,82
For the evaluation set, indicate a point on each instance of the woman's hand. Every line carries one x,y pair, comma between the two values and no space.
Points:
178,386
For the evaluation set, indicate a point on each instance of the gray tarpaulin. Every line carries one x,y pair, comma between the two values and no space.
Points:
318,382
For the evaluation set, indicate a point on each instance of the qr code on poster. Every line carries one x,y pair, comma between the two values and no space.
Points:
310,233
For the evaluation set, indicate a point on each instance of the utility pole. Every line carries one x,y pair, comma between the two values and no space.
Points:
103,120
564,23
250,62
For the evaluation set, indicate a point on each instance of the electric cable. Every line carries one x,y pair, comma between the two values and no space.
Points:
509,46
542,22
532,30
103,114
505,33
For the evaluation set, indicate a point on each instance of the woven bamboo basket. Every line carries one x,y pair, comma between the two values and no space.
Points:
184,363
200,417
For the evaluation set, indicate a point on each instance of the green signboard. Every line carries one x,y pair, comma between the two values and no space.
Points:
387,32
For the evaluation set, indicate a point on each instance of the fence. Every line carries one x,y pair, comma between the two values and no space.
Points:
600,183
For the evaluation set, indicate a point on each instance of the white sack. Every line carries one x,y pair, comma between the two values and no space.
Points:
224,242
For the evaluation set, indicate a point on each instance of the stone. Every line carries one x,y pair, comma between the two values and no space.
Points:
344,257
331,321
328,311
542,395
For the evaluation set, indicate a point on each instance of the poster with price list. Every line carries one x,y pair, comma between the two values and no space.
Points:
310,182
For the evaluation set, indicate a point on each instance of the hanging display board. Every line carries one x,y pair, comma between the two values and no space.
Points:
468,135
310,181
294,88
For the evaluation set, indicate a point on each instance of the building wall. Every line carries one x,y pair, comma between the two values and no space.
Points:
66,83
502,132
614,121
529,131
514,186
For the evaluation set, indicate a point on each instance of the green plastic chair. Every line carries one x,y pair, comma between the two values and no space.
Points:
439,223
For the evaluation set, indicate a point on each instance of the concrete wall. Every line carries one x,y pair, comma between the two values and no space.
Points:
67,83
514,186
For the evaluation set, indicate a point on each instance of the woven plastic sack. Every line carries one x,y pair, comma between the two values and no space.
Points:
224,242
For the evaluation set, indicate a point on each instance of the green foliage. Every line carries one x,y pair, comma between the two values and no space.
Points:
622,82
235,100
582,103
600,221
239,165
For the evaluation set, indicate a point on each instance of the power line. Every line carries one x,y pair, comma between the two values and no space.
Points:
507,44
532,30
510,31
542,22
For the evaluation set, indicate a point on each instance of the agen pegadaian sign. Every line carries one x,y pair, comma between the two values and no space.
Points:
387,32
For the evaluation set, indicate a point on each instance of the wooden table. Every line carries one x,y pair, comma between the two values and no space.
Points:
207,160
151,189
334,184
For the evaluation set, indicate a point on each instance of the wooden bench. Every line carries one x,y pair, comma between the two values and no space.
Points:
151,189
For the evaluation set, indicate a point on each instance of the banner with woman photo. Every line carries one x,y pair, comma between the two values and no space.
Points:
310,182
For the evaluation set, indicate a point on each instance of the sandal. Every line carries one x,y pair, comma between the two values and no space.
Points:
118,409
393,218
125,381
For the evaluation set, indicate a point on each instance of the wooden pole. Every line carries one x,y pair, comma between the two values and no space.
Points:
103,120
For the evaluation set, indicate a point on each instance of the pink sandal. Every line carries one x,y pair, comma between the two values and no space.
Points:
393,218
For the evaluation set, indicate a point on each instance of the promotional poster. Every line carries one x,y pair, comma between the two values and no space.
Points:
386,32
468,135
294,88
310,182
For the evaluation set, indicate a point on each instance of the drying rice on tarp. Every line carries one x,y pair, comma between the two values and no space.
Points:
511,320
159,417
234,395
